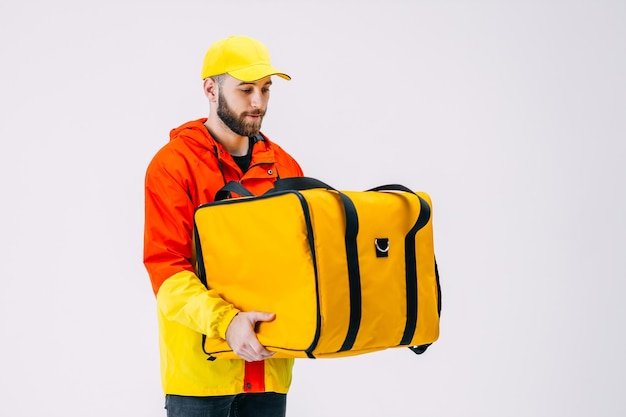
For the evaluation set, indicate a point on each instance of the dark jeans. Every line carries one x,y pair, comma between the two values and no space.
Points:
264,404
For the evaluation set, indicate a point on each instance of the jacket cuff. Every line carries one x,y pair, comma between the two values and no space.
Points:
225,322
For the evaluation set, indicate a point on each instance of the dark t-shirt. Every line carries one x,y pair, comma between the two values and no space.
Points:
244,161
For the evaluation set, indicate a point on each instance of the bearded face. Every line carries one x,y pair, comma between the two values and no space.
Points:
238,123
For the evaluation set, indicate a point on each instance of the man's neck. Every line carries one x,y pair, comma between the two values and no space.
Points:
235,144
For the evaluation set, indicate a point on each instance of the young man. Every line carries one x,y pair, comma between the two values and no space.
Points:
201,156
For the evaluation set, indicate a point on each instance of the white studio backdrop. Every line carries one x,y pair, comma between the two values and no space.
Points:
510,114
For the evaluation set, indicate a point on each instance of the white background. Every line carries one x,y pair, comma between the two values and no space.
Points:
510,114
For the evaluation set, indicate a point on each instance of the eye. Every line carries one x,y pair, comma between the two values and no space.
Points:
246,90
266,90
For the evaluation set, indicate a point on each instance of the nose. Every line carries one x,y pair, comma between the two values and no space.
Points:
256,99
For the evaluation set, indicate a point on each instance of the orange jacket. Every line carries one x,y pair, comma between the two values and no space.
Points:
184,174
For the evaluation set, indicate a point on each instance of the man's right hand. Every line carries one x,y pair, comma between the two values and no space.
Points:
241,336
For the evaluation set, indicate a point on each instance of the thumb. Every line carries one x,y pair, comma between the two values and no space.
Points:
261,316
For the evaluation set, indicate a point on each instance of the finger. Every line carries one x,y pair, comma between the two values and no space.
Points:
247,354
271,316
250,355
257,347
261,316
257,351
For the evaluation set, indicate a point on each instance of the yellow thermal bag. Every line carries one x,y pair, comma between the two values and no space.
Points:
346,272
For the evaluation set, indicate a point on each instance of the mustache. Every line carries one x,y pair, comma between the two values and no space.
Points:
254,113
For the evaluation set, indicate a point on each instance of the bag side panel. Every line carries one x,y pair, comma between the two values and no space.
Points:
384,220
329,224
427,330
257,257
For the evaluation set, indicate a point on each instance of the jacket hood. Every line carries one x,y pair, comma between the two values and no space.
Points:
193,129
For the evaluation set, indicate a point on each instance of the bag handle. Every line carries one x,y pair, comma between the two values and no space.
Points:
232,186
392,187
307,183
298,183
281,184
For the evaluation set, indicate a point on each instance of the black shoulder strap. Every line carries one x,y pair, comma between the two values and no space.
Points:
231,186
298,183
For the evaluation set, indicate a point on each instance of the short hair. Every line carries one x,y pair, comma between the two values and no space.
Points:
219,79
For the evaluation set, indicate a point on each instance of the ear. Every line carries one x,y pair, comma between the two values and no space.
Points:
210,89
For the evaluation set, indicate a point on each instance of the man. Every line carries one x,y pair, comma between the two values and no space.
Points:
200,158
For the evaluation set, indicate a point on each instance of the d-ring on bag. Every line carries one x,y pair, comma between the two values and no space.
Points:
346,272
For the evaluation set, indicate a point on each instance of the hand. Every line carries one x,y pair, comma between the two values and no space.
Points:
241,336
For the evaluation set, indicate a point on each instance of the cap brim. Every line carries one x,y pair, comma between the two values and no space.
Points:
256,72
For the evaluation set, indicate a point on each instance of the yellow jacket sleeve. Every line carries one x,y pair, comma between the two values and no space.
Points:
184,299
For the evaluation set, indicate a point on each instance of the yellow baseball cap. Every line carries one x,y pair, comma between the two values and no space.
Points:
241,57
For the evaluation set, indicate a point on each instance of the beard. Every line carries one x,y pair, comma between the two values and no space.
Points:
237,123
